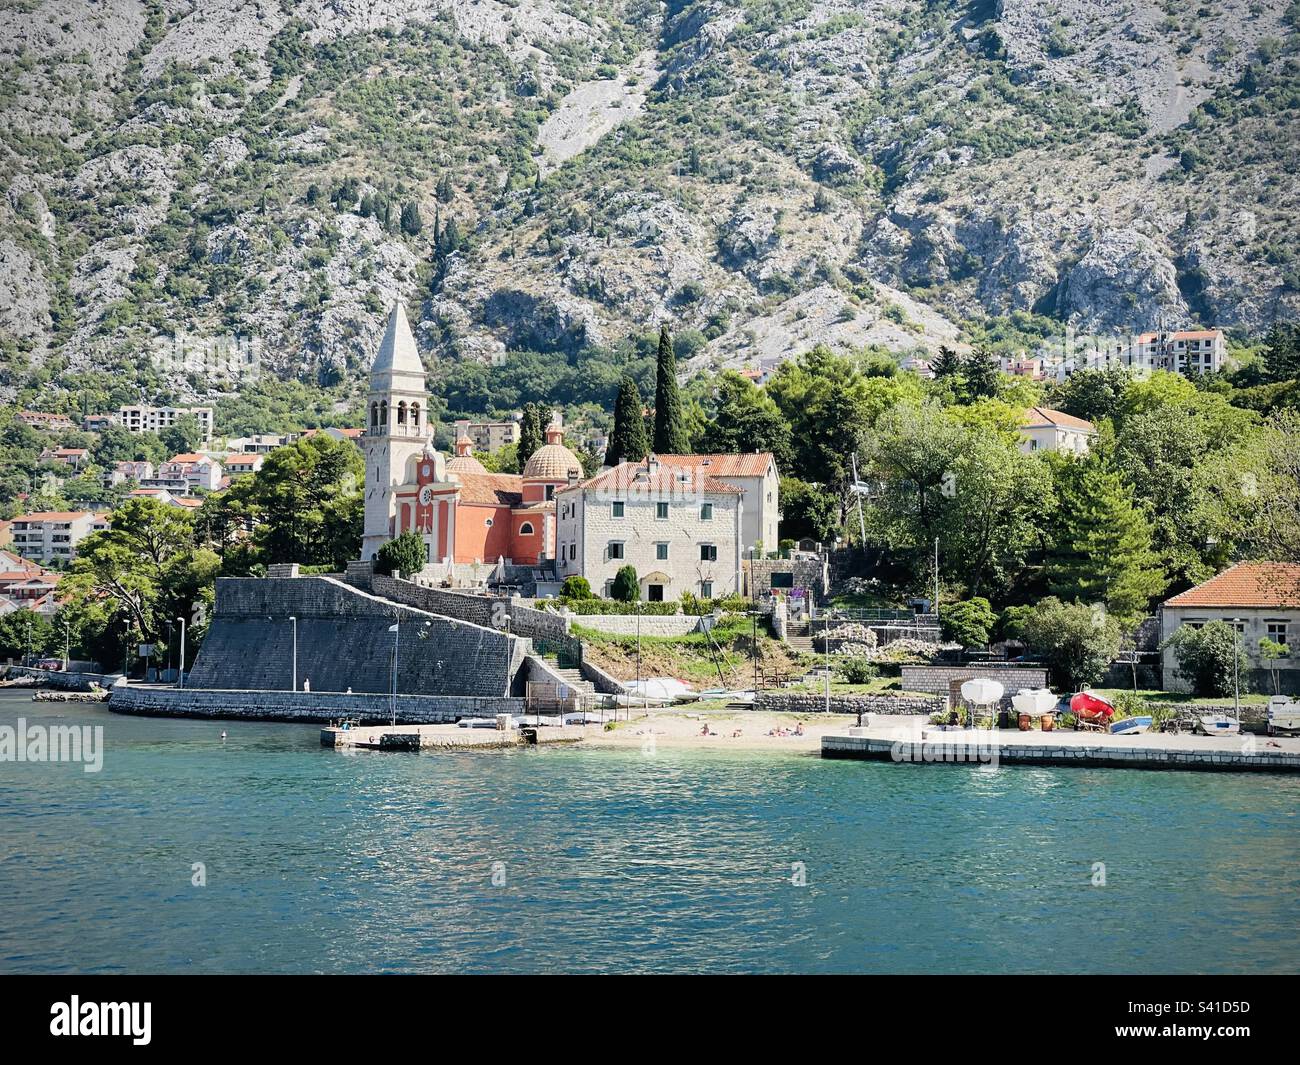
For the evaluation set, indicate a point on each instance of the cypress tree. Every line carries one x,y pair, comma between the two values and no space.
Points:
670,432
530,432
1282,357
983,377
627,440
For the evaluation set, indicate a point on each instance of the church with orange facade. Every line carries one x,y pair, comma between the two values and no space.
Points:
463,513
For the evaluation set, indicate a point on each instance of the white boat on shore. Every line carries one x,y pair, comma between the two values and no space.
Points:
1218,725
1131,726
1283,715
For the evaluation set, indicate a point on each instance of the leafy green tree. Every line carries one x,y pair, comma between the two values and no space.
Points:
808,510
968,486
626,588
1271,652
1076,642
146,568
1102,550
403,555
1090,394
183,436
747,420
670,433
627,440
1210,658
531,433
24,632
968,622
306,502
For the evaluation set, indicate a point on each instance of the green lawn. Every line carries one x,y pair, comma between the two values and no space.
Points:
1153,696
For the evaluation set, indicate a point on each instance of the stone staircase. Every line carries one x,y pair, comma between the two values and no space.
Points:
575,680
800,643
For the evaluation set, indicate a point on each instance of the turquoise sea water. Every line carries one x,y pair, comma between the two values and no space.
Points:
318,861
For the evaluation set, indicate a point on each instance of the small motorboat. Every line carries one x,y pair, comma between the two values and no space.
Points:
1131,726
1283,715
1217,725
1092,711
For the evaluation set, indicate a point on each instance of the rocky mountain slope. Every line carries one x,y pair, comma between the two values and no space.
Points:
549,174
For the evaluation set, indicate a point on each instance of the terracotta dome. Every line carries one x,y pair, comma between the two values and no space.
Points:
464,460
552,461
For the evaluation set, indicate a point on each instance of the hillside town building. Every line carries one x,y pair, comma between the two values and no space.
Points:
680,526
46,422
1187,351
53,535
193,470
143,418
1045,429
128,471
1261,600
489,436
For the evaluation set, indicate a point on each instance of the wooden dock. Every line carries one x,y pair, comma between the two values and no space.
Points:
441,737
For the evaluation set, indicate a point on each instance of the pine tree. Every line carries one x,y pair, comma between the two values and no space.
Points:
982,374
947,363
530,432
627,440
670,430
1282,356
445,191
1103,543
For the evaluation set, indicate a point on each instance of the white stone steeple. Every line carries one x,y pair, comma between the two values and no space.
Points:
396,427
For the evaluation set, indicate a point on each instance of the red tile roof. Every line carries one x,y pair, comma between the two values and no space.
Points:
748,464
497,489
1037,416
1247,584
664,482
55,515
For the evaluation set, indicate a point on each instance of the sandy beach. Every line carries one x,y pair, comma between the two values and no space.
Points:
727,731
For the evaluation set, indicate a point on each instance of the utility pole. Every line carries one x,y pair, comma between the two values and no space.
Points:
180,679
294,685
936,576
396,630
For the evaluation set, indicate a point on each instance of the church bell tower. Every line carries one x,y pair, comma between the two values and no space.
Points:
396,428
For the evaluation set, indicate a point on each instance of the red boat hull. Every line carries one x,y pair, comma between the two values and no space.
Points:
1089,706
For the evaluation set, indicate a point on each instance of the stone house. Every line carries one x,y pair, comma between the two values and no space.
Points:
756,475
1261,600
680,526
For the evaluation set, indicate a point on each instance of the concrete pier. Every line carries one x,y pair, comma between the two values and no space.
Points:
441,737
915,741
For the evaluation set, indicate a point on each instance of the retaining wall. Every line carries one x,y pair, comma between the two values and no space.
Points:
937,679
344,642
651,624
323,707
808,703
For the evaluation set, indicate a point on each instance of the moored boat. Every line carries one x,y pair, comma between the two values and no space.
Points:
1217,725
1283,715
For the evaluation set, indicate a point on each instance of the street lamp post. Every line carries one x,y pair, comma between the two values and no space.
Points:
396,630
1236,659
67,644
294,619
180,677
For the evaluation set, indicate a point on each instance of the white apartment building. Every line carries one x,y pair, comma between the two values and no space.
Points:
145,419
52,535
1044,429
1188,351
131,470
489,436
197,471
678,526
